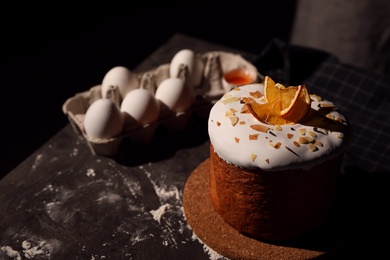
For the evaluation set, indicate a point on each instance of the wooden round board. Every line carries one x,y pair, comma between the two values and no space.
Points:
211,229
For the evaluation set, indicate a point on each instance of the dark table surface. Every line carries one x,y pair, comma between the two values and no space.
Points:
63,202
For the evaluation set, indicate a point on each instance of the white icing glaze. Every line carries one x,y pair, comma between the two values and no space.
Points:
232,142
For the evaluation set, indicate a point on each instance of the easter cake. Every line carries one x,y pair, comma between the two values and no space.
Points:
275,159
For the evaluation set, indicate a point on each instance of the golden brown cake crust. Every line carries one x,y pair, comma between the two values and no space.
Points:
273,205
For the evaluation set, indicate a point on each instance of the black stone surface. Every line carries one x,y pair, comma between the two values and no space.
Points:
63,202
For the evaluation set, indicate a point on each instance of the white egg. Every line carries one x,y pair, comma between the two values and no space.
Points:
120,77
194,64
103,119
141,105
175,94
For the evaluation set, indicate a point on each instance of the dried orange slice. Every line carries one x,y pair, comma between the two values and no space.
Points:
268,113
269,89
299,107
284,105
274,91
288,98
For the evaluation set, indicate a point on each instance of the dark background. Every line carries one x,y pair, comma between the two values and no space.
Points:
49,53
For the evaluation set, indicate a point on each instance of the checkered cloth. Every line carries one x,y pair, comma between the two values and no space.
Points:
362,96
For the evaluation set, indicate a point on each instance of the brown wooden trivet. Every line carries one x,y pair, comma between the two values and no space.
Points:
211,229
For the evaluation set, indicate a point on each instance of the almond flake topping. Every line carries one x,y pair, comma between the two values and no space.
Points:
218,123
312,147
330,116
260,128
278,128
321,130
296,144
253,137
237,139
289,135
229,113
244,110
267,161
305,140
276,146
327,105
302,131
312,134
316,97
256,94
230,100
245,100
253,157
319,143
233,120
242,122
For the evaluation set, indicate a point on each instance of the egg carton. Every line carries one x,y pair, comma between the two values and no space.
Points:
212,86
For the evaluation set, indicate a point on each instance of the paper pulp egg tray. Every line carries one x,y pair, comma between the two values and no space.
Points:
211,88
